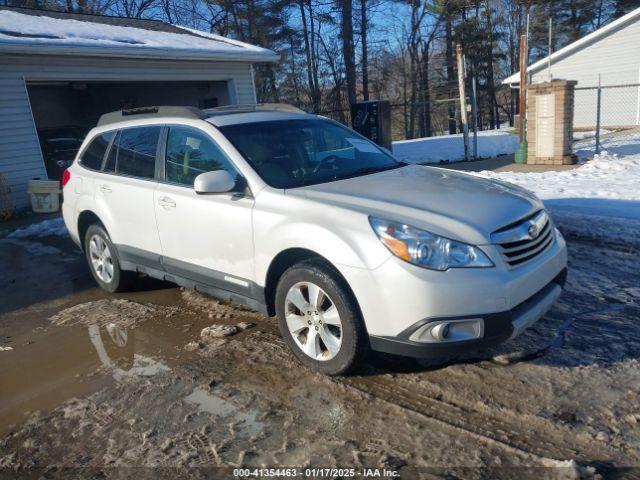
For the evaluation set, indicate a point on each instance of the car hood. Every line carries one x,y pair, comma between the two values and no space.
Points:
453,204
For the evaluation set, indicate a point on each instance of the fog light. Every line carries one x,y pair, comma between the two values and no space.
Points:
440,331
449,331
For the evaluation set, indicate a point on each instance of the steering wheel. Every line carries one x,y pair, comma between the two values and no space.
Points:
326,163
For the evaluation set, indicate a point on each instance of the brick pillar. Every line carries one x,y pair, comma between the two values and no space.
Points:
550,123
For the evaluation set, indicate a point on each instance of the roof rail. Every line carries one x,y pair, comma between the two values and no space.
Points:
253,107
150,112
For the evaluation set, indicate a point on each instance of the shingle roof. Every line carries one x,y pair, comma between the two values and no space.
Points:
27,30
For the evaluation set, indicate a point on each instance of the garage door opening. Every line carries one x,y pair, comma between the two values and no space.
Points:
65,111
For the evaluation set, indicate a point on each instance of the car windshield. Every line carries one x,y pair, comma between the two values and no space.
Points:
295,153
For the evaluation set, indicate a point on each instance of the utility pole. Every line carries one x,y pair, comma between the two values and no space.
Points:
522,108
521,153
463,101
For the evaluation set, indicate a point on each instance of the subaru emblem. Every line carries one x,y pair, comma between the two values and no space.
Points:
533,231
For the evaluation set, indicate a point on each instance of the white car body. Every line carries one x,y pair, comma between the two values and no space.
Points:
227,244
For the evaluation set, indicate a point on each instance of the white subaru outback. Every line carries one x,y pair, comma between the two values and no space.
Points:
295,215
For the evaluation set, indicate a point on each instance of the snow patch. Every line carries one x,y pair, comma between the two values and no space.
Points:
589,134
599,200
41,229
607,177
620,143
18,28
450,148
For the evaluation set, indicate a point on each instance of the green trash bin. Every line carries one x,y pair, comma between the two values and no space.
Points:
521,153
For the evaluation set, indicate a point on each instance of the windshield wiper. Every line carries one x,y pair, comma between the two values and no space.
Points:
354,173
367,170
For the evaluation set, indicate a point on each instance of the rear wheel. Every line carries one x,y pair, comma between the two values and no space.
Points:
103,261
319,318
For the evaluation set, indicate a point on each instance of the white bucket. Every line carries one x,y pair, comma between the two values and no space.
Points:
45,195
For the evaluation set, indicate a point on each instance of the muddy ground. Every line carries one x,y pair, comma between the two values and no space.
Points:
100,385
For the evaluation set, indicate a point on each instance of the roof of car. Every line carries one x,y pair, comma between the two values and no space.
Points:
222,116
235,118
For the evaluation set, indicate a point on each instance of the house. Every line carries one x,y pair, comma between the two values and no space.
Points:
59,72
609,55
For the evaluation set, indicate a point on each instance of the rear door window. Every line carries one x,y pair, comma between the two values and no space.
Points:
94,154
137,151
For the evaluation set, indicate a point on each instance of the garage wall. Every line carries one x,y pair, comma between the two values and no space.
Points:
20,156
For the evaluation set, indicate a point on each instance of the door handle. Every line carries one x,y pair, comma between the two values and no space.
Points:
166,202
105,189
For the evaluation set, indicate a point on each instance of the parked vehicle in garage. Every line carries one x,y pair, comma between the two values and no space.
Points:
298,216
59,148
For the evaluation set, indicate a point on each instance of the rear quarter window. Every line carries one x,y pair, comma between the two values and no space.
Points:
94,154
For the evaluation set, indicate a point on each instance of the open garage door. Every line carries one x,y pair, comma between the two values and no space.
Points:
65,111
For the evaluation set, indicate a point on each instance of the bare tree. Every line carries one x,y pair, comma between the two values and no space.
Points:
348,53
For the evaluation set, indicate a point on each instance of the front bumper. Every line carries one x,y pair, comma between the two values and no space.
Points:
498,327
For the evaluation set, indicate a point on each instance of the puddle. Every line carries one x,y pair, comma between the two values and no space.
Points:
62,337
57,363
210,403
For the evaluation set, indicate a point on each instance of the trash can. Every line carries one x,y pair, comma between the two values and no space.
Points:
45,195
372,119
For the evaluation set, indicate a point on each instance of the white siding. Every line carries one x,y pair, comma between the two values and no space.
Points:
616,58
20,156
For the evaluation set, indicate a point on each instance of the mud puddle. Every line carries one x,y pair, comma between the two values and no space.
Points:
53,364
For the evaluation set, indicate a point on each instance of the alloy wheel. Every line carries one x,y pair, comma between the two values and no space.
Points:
313,321
101,258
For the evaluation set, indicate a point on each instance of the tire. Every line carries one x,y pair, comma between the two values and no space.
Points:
312,326
105,269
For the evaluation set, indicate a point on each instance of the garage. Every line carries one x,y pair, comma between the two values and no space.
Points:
63,112
59,72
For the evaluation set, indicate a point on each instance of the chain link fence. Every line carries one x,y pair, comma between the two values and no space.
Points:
609,110
411,120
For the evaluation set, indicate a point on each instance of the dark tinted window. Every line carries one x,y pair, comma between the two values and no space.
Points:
94,154
191,152
137,152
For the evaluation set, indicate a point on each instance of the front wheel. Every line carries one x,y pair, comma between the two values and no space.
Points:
319,318
103,261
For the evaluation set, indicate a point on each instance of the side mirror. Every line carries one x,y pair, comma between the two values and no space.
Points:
219,181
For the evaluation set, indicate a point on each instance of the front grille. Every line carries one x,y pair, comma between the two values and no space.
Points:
518,252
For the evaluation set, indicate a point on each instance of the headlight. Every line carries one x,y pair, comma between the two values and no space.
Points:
427,249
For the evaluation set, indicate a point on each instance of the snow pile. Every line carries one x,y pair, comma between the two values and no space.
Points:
31,29
619,143
45,228
600,199
450,148
588,134
607,176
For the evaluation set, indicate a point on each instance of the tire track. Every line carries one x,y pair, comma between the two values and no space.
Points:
527,435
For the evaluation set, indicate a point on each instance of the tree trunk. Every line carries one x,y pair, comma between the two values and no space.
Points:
451,76
347,49
294,74
426,95
365,57
313,89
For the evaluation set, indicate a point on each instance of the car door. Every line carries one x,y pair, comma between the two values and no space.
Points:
205,238
124,194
